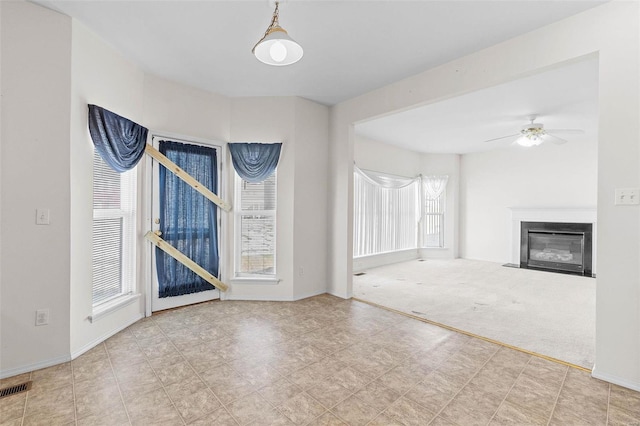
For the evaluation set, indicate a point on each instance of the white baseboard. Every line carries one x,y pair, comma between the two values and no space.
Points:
65,358
275,299
258,298
615,379
372,261
35,366
341,295
436,253
310,294
96,342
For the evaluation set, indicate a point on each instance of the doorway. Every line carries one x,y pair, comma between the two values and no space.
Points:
186,220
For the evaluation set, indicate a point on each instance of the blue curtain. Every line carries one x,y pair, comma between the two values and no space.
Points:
188,220
119,141
254,162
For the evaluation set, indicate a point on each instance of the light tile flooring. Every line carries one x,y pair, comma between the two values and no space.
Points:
319,361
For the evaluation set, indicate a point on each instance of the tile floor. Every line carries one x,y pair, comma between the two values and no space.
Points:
318,361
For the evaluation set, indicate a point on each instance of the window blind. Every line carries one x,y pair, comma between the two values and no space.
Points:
385,218
113,236
256,227
107,258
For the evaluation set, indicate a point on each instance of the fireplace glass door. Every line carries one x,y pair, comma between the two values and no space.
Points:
557,247
556,251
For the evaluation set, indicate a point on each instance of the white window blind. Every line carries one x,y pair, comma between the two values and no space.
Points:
386,212
255,217
114,232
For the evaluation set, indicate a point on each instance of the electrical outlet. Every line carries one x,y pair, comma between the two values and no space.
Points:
301,271
627,196
42,317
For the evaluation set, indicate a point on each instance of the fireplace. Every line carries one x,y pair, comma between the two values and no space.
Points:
557,247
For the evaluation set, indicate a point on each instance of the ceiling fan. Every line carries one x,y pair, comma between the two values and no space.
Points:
533,134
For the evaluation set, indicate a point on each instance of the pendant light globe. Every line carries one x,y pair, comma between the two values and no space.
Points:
278,49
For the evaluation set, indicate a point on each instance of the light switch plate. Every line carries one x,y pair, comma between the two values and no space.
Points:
42,216
627,196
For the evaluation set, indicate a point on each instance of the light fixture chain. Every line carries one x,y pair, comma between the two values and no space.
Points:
274,23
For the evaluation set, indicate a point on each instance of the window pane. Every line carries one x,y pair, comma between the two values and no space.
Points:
257,247
432,225
433,222
256,227
107,258
106,185
258,196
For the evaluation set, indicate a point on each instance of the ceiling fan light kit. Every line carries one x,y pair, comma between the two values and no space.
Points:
533,134
276,47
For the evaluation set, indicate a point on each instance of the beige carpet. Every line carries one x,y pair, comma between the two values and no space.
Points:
547,313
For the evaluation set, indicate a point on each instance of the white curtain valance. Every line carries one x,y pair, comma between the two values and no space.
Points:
384,180
434,186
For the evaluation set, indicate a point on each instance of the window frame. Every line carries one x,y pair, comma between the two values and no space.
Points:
128,239
237,231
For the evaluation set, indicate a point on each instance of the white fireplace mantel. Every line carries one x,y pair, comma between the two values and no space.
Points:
572,215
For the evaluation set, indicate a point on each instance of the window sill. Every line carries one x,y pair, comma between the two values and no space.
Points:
256,280
105,309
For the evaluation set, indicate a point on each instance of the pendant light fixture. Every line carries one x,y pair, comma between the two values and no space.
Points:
276,47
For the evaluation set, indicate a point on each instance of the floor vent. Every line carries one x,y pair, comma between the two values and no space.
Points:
359,274
12,390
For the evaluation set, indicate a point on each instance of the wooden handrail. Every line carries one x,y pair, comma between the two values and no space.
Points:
180,257
186,177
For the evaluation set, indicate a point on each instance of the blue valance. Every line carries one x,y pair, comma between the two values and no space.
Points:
254,162
119,141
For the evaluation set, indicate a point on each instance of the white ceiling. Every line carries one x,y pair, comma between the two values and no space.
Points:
351,47
562,98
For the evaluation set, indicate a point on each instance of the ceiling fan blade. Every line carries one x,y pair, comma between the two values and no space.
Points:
502,137
556,140
566,131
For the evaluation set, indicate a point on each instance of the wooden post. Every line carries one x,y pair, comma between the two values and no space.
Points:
177,255
186,177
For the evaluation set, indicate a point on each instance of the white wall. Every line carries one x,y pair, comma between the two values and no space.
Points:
302,127
35,174
178,109
546,176
611,31
377,156
268,120
310,202
100,76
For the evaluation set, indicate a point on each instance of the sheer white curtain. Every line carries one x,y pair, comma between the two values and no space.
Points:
386,212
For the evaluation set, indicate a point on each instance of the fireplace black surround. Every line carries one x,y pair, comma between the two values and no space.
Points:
557,247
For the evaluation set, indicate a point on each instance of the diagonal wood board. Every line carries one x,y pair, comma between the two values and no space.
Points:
186,177
180,257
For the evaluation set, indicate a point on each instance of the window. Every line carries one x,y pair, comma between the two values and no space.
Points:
114,232
432,223
433,204
255,227
386,212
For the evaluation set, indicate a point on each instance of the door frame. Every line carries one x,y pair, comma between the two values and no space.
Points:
147,207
